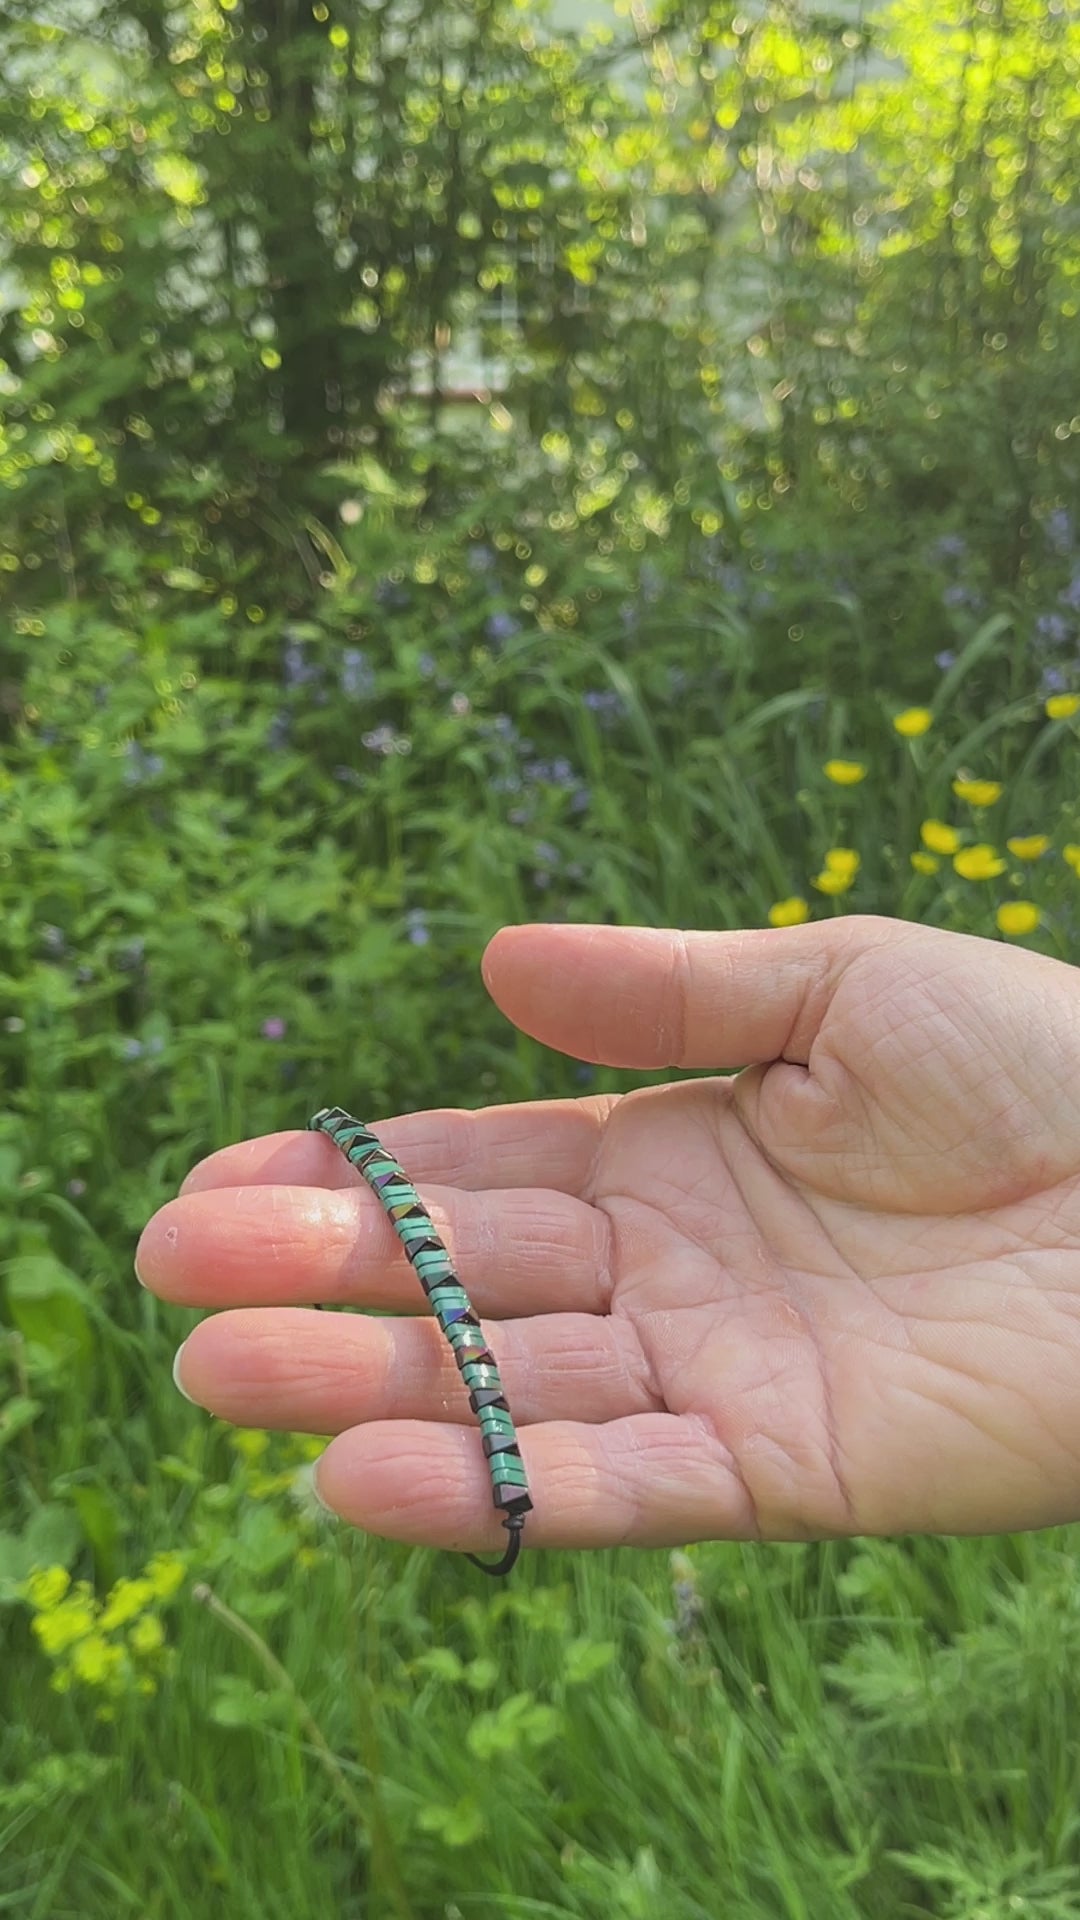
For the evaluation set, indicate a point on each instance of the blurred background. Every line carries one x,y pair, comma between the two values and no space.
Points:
463,464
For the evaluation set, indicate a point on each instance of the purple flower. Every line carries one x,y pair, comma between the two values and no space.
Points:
1059,530
416,921
357,674
277,733
945,659
549,855
379,740
1053,628
132,1049
480,559
391,595
951,546
426,664
1053,681
296,669
960,596
141,766
1071,595
605,702
580,801
273,1029
502,626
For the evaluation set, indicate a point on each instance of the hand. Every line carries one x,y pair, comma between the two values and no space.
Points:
835,1293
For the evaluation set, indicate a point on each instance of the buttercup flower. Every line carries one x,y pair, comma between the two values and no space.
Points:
844,773
842,860
978,793
913,721
789,913
1031,848
1061,706
938,837
1018,916
981,862
925,863
1071,857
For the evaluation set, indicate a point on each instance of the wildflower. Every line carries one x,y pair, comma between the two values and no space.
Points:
141,766
273,1029
350,513
53,941
147,1635
250,1443
419,931
1052,680
841,865
480,559
1053,628
1062,706
60,1627
945,659
938,837
925,863
132,1049
789,913
76,1189
1070,597
913,721
951,546
1059,530
95,1660
165,1574
961,596
358,677
981,862
502,626
1071,857
1031,848
296,669
127,1599
978,793
844,773
277,733
1018,916
46,1587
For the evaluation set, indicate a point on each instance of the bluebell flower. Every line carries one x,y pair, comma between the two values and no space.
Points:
580,800
419,932
1053,628
358,678
605,702
1053,681
958,595
501,626
141,766
951,546
296,669
547,853
945,659
480,559
1071,595
1059,530
132,1049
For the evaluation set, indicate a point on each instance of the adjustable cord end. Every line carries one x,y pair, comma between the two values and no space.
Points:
515,1527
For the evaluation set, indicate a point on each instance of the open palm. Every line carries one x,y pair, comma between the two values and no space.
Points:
837,1292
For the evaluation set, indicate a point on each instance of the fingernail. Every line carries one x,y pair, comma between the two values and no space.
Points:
324,1504
177,1382
138,1275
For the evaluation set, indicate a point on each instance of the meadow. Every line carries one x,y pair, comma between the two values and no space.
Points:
307,686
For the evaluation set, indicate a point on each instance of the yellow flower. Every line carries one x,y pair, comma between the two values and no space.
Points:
845,773
842,860
148,1634
166,1573
1030,849
1062,706
979,863
831,882
925,863
913,721
59,1629
250,1442
1018,916
979,793
938,837
126,1599
1071,857
790,913
95,1660
46,1587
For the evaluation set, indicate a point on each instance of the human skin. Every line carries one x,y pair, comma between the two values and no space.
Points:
834,1293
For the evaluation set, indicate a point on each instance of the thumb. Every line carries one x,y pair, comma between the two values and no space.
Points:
652,997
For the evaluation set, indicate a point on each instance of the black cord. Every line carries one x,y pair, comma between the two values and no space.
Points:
514,1526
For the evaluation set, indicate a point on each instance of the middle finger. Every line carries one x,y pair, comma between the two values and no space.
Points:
516,1252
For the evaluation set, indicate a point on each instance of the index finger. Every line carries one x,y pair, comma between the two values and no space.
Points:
531,1143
